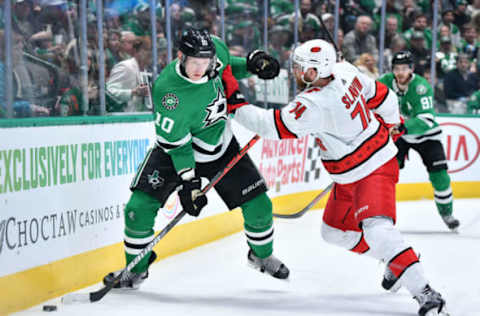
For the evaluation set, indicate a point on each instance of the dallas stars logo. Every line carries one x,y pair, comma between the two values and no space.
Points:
216,110
155,180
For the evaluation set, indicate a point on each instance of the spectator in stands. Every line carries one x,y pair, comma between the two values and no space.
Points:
476,21
409,14
208,17
447,19
443,31
71,101
306,9
162,54
340,40
398,44
473,9
421,55
139,21
459,84
367,65
420,24
446,58
112,49
281,7
127,89
460,14
473,103
391,30
127,40
359,41
308,30
329,21
23,83
469,43
349,14
112,19
280,43
23,21
244,33
391,10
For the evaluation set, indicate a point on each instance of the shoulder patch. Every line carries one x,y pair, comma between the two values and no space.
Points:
421,89
170,101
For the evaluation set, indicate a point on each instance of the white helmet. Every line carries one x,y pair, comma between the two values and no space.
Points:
318,54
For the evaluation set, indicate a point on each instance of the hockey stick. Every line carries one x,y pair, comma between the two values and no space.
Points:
98,295
330,38
309,205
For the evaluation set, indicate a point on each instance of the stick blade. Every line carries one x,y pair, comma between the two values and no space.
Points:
98,295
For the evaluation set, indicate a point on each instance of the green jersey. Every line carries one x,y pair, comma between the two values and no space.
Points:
416,106
71,102
473,103
191,119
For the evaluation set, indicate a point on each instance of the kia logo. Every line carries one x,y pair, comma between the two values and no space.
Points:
462,146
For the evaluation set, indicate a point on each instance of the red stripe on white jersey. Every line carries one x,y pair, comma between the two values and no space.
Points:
381,92
283,131
361,246
361,154
402,261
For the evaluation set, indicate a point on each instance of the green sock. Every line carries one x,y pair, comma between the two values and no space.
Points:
442,191
140,213
257,214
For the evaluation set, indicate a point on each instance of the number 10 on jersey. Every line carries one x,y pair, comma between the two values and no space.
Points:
165,123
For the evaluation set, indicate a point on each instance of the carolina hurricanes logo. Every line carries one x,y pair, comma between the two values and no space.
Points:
216,110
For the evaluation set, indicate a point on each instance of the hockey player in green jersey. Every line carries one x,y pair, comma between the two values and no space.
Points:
420,130
194,140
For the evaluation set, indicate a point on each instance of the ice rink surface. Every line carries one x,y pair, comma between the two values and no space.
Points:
215,280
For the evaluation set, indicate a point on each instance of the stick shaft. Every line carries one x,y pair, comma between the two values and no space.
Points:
309,205
98,295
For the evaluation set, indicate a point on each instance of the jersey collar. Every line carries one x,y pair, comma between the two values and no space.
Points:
395,86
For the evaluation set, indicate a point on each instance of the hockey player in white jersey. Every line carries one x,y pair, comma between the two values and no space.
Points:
351,117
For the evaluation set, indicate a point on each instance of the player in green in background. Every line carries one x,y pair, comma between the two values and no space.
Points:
421,132
194,140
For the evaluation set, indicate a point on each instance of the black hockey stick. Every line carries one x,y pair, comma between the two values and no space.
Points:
330,38
98,295
309,205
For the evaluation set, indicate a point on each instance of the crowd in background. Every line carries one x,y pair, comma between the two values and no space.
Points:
47,64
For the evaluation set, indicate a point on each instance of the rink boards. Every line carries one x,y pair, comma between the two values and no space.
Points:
63,189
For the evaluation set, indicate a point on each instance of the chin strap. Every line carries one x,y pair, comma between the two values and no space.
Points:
308,83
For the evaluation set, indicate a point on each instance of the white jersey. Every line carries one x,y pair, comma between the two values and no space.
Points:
342,117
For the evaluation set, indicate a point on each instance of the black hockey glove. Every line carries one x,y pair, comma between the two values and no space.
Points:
235,101
262,64
190,197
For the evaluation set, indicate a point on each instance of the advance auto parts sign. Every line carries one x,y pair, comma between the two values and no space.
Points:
282,162
462,146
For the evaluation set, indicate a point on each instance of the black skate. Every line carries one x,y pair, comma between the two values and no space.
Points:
271,265
390,281
451,222
129,280
431,303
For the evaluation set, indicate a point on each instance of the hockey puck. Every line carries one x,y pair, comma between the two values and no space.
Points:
49,308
